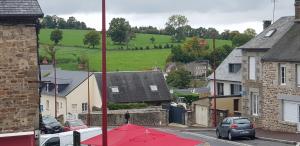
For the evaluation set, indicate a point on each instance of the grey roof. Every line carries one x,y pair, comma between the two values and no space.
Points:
69,79
222,72
287,48
135,87
192,90
20,8
282,25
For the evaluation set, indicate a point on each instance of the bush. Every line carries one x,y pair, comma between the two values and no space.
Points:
167,46
160,46
147,47
189,98
141,48
155,47
136,48
171,46
116,106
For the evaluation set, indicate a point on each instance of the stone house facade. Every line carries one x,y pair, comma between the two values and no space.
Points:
19,72
270,76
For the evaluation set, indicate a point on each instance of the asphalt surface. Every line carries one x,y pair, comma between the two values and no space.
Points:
209,139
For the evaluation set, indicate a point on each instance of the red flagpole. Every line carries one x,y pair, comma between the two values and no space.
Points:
104,83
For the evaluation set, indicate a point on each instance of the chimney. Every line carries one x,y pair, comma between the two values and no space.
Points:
297,11
267,23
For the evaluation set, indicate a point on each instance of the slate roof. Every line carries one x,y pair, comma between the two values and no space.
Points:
20,8
222,72
68,80
135,87
282,25
287,49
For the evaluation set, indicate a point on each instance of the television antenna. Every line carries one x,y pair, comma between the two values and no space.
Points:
274,8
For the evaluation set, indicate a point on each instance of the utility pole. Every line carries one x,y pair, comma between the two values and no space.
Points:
89,110
215,102
104,83
55,86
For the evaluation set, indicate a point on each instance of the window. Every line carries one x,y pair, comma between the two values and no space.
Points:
270,33
153,88
234,68
115,89
291,111
282,74
254,102
235,89
236,104
74,108
252,68
220,87
47,105
41,108
84,107
298,75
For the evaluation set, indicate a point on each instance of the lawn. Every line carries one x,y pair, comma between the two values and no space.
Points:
116,60
74,38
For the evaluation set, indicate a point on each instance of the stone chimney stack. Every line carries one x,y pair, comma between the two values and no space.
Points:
297,11
267,23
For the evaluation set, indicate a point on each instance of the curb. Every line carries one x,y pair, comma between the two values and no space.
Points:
278,140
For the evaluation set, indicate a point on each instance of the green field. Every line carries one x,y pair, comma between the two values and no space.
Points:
116,60
72,47
74,38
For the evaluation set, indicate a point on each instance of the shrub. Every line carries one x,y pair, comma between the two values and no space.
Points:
136,48
141,48
147,47
160,46
171,46
166,46
116,106
155,47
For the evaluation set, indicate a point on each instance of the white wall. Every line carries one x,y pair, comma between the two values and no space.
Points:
80,95
51,111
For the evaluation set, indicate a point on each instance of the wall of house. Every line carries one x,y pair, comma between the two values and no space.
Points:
227,104
19,106
251,86
272,108
50,111
227,87
80,95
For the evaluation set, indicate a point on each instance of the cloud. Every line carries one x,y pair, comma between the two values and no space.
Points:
155,12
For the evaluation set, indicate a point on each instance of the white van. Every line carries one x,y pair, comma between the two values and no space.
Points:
66,138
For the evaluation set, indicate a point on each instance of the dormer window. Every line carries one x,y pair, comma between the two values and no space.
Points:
270,33
234,68
153,88
115,89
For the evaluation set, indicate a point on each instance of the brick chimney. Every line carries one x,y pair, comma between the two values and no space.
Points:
267,23
297,11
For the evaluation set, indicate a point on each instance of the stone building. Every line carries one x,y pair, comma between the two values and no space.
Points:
270,76
19,94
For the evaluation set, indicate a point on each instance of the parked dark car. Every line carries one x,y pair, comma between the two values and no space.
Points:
50,125
234,127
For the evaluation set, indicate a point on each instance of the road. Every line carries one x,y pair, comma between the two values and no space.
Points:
210,139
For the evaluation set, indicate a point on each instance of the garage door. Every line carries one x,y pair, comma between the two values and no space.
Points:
291,111
201,115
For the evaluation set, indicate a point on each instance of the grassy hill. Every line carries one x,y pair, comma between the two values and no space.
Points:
74,38
72,47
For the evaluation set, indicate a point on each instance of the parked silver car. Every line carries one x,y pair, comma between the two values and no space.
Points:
233,127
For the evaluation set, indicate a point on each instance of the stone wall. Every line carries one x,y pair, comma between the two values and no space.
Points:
272,117
143,117
18,66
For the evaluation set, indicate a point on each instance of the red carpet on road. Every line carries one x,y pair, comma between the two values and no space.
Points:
133,135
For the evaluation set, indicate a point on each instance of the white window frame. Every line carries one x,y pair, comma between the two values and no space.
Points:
153,88
84,107
254,104
298,75
282,74
252,68
115,89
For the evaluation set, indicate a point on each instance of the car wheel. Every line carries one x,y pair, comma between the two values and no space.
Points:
218,134
230,136
252,137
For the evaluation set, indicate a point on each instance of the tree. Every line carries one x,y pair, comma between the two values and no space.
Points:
92,39
241,39
176,27
250,32
194,49
48,22
71,22
51,51
119,29
56,36
179,78
152,39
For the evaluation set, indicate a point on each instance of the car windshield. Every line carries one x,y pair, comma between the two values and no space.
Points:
76,123
48,120
242,121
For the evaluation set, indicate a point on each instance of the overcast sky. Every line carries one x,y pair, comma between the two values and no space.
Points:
221,14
